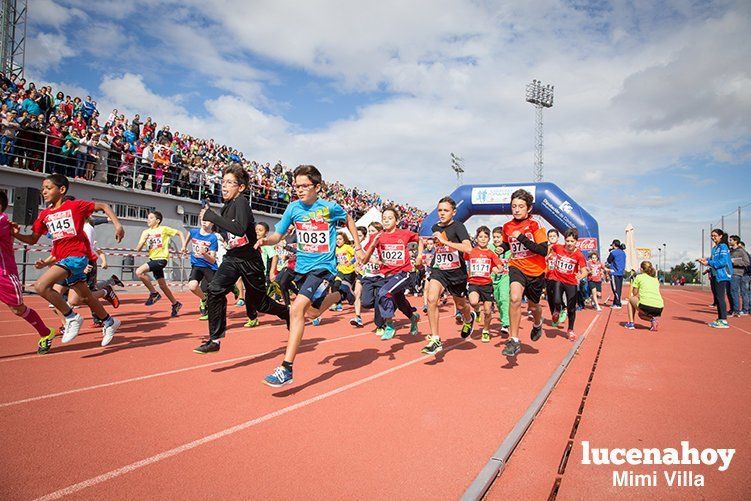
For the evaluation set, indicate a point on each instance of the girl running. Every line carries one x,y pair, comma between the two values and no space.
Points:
596,271
645,297
481,262
11,291
356,321
156,238
202,262
345,263
570,268
721,267
372,278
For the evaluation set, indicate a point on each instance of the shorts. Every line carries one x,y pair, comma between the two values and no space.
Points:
346,277
533,286
451,282
358,277
11,292
202,275
91,275
156,267
595,286
314,285
650,310
75,267
485,292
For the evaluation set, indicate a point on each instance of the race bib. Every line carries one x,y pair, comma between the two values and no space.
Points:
154,241
60,225
233,241
200,247
313,236
447,260
479,267
566,265
518,251
393,254
551,262
596,271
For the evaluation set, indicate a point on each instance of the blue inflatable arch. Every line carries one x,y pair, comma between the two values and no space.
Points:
551,203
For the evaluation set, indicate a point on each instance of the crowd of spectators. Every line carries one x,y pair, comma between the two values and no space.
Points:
52,132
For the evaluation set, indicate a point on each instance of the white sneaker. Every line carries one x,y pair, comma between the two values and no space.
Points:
615,307
599,309
108,331
72,326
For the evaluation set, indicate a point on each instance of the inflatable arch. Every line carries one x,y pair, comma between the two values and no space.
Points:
551,203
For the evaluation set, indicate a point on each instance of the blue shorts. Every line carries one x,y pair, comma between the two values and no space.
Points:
315,285
74,266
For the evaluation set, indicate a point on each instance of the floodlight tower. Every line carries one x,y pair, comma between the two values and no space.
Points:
457,165
542,97
12,37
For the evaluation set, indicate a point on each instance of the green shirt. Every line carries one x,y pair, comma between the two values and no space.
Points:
267,254
649,290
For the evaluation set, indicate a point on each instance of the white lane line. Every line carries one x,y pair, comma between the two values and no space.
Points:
224,433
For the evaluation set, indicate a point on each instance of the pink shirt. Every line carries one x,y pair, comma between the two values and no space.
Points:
7,259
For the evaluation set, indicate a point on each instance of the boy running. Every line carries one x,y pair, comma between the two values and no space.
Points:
529,245
202,262
501,280
64,221
481,262
448,272
570,269
157,238
315,223
596,269
11,292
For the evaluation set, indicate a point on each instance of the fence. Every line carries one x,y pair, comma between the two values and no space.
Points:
98,162
737,222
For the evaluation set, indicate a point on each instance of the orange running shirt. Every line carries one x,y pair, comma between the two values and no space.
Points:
523,259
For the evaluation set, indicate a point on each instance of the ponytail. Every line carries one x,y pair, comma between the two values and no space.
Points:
648,268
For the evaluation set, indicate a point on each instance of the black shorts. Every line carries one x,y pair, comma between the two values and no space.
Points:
202,275
451,281
485,292
91,276
314,285
595,286
346,277
650,310
533,286
156,267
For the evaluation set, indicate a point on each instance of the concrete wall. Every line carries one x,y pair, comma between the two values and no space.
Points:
88,190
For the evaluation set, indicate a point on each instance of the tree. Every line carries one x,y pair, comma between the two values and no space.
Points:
687,270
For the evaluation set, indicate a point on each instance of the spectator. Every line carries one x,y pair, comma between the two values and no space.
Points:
741,262
617,266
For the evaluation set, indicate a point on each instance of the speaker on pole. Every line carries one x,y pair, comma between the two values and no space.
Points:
25,205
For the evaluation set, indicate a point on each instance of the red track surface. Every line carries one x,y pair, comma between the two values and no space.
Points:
147,418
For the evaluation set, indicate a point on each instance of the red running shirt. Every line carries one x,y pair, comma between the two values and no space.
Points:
394,251
65,226
567,265
595,271
526,261
479,264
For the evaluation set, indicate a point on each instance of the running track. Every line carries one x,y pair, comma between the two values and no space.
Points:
147,418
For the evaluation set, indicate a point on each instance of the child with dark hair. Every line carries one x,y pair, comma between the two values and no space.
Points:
570,269
481,263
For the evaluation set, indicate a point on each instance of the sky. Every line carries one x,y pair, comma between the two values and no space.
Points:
651,124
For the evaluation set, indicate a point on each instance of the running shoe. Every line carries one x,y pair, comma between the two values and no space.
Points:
512,348
236,293
459,318
469,327
425,308
316,321
109,329
434,346
599,308
45,343
504,329
153,298
97,322
111,297
176,309
240,302
356,321
536,332
252,323
413,321
379,332
208,346
719,324
332,308
339,307
615,307
562,317
485,336
72,326
630,326
116,280
202,307
654,325
388,332
279,377
555,317
205,316
571,335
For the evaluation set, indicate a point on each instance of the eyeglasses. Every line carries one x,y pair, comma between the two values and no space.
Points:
227,182
303,187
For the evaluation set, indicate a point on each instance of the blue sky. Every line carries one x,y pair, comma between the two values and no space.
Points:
650,124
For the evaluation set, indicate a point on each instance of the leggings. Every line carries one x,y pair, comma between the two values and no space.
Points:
720,291
572,293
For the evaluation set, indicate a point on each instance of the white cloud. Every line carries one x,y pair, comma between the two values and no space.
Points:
47,50
50,13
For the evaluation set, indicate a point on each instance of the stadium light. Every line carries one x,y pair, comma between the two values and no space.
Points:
541,96
457,165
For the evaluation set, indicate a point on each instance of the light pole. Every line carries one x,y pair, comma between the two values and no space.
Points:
665,255
457,165
659,261
542,97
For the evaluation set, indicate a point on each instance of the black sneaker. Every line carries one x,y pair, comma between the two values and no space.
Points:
116,280
207,347
536,332
434,345
467,328
512,348
176,309
45,343
153,298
